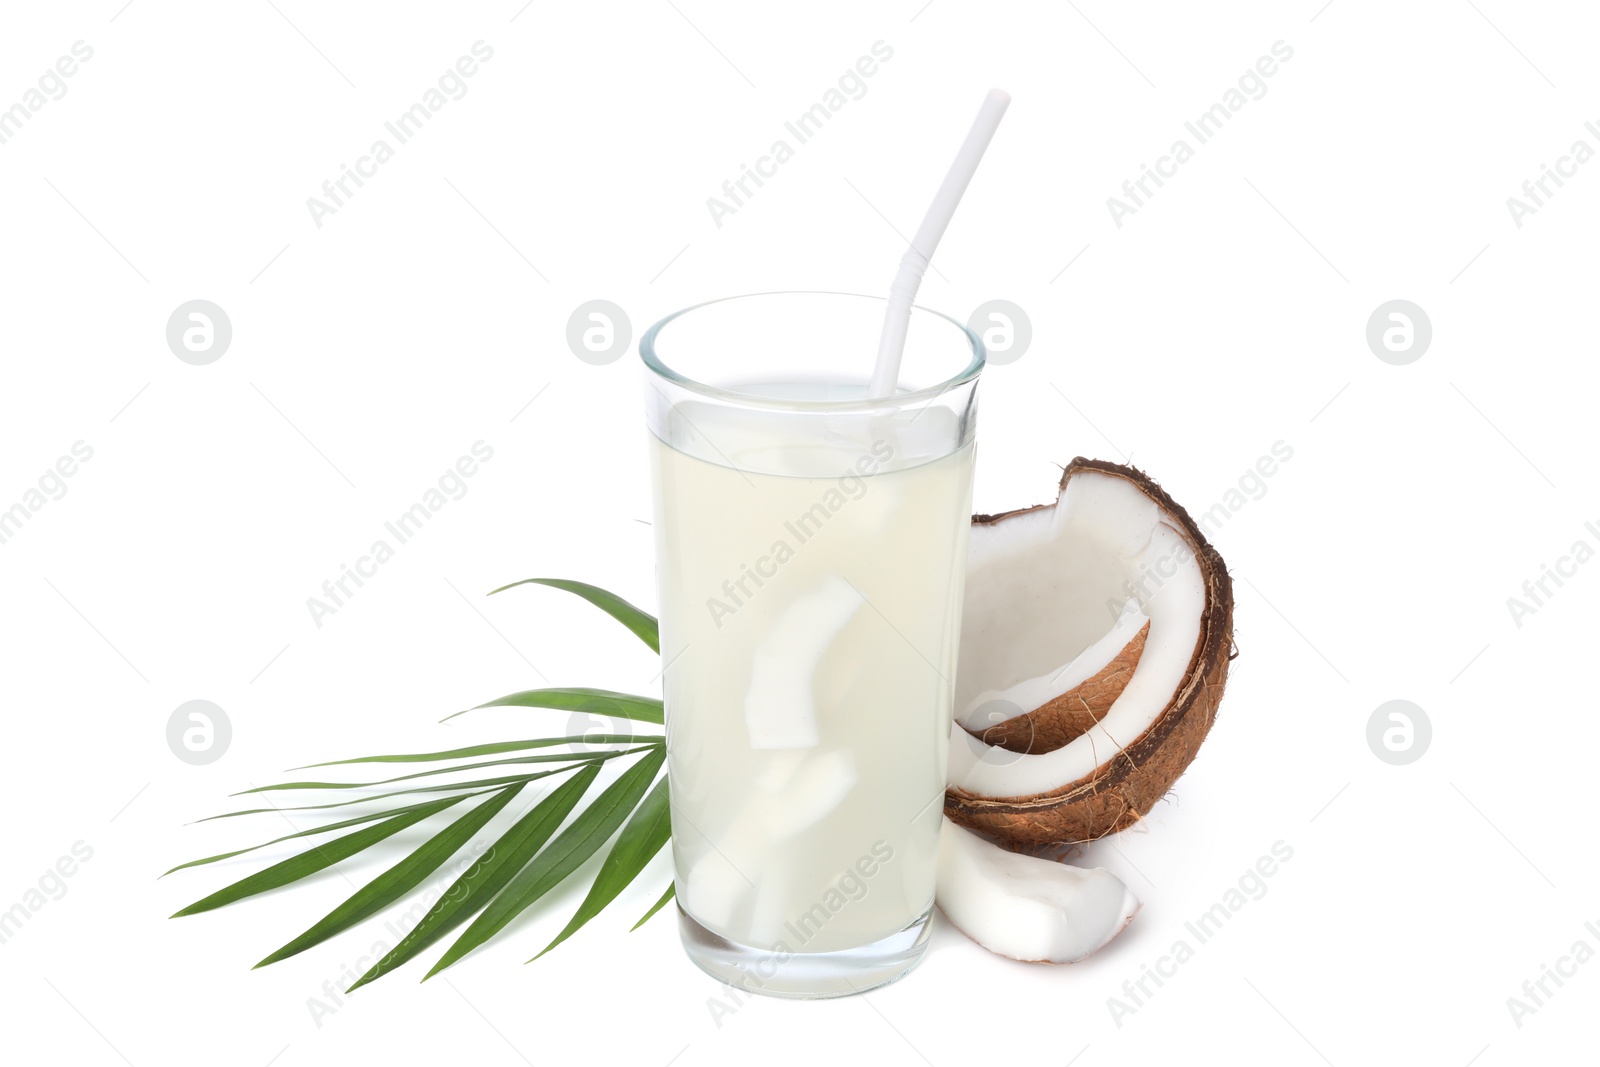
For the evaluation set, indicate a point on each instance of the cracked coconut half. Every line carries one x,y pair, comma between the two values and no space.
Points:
1095,644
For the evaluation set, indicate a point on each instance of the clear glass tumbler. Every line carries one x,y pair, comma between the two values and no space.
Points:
811,552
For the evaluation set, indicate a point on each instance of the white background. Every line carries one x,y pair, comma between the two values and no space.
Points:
429,313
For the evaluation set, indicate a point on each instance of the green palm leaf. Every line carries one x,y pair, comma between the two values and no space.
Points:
489,875
556,757
502,780
592,701
343,824
638,843
400,879
657,906
318,858
642,624
526,862
565,854
493,749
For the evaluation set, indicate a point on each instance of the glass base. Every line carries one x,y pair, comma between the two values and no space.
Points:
806,975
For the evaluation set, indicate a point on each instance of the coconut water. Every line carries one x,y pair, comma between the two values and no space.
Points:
810,612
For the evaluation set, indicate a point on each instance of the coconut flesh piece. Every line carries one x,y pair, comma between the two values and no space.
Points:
798,784
1043,585
1094,649
797,789
780,709
1027,908
1036,692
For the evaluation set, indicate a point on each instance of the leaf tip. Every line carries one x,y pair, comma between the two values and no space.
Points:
358,983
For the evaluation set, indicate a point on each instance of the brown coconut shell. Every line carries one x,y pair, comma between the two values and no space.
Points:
1123,788
1071,714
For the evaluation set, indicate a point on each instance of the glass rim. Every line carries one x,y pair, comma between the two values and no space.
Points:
647,353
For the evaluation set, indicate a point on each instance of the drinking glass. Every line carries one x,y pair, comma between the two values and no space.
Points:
811,550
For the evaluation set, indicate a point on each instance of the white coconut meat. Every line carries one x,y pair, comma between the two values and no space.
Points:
796,790
980,712
780,709
1051,595
1027,908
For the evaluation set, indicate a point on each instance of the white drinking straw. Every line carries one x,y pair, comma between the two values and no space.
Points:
892,342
